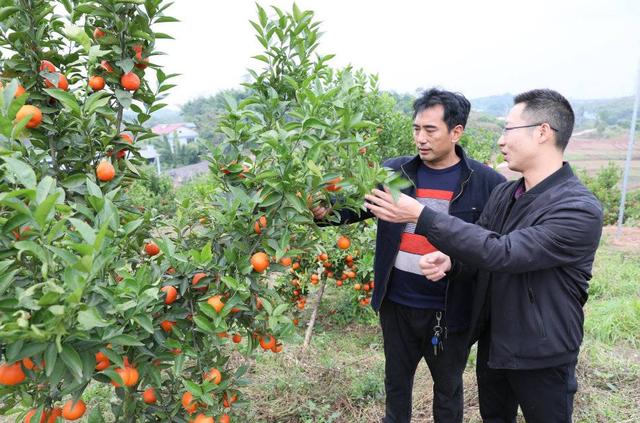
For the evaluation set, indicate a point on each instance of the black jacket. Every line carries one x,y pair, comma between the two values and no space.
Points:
476,183
534,266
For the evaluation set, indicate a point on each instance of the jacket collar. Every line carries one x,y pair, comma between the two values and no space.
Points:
557,177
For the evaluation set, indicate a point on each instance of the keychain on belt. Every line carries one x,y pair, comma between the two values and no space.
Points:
436,340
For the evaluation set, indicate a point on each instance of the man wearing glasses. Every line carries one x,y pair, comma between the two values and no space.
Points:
532,250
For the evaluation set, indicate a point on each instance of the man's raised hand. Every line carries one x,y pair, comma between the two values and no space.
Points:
435,265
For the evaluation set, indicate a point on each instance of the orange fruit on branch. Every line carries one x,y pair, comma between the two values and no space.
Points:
11,374
73,411
149,396
343,242
167,325
216,303
267,342
201,418
98,33
126,138
151,248
128,374
130,81
96,83
171,293
63,84
260,261
196,279
214,376
105,171
46,65
32,111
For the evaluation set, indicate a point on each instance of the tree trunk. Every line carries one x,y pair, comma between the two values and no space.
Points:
314,314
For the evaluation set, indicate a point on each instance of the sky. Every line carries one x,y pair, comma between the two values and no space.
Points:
582,48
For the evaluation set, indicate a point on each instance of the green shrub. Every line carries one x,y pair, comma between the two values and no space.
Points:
153,192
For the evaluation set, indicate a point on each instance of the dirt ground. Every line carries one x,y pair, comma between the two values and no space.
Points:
629,239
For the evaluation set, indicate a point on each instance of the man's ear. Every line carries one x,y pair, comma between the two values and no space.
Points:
456,133
545,134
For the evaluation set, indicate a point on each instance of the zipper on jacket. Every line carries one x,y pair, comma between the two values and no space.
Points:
536,312
446,291
462,187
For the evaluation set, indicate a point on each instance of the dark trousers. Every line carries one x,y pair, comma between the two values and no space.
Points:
544,395
407,334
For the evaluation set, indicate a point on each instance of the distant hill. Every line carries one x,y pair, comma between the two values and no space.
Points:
165,115
495,105
611,111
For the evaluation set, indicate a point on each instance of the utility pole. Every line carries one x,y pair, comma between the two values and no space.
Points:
627,164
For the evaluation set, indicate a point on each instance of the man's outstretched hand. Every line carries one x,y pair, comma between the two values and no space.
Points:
435,265
383,206
319,212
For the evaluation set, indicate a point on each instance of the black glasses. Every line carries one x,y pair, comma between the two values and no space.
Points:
505,129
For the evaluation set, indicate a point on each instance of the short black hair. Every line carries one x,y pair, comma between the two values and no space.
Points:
548,106
456,106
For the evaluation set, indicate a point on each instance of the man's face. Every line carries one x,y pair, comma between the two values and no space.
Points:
436,144
518,145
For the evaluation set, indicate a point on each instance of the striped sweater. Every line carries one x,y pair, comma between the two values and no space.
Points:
408,286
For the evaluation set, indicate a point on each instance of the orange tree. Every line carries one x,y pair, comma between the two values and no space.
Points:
298,138
77,290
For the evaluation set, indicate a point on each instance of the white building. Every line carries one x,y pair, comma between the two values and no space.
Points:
184,132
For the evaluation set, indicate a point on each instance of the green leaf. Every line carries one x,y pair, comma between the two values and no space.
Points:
280,309
144,321
192,387
95,101
50,357
78,35
90,318
6,278
73,181
66,98
56,310
204,324
232,283
13,350
46,185
93,189
261,57
143,35
95,416
164,19
5,12
29,350
44,212
65,255
125,340
33,248
126,65
86,231
262,15
163,36
72,360
22,172
132,226
124,98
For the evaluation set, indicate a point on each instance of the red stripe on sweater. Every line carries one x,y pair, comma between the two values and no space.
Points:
415,244
434,193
